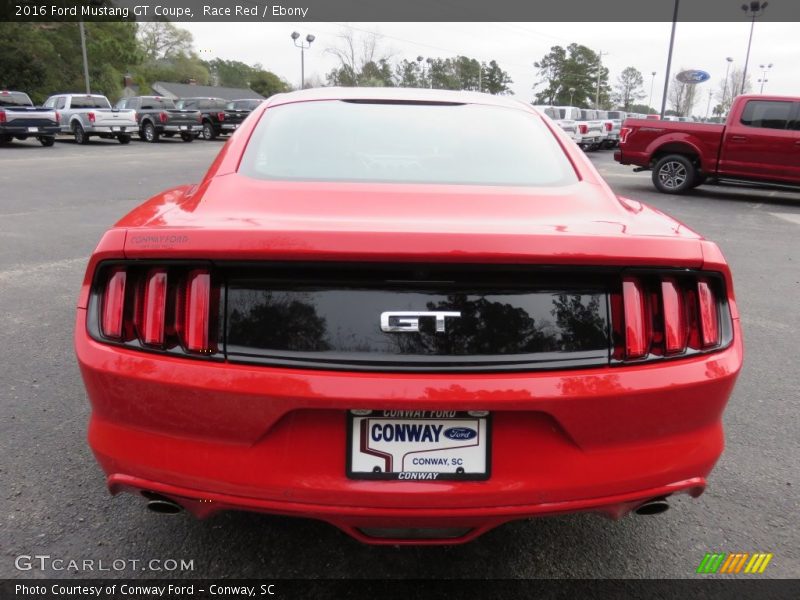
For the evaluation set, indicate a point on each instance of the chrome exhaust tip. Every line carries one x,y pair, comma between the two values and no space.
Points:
161,504
656,506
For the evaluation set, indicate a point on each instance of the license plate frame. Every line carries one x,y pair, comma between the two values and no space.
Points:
484,425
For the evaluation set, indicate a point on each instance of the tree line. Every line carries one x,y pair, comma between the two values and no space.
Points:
45,58
575,76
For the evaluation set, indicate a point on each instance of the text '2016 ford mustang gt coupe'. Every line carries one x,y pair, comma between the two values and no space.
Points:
413,314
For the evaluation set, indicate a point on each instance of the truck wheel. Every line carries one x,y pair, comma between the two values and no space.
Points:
124,138
208,131
46,141
187,137
80,134
150,133
674,174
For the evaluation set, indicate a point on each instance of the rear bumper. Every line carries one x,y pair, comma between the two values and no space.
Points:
216,436
113,129
40,130
185,128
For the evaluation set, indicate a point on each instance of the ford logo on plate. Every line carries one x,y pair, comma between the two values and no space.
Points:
460,433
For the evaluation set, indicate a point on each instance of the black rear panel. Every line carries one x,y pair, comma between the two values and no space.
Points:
499,318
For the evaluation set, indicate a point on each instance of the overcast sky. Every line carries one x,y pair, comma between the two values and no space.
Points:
517,45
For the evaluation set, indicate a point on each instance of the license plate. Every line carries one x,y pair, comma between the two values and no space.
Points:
33,129
418,445
184,127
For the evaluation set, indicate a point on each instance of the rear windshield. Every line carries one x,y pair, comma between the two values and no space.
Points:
14,99
405,143
242,104
89,102
615,114
587,115
150,102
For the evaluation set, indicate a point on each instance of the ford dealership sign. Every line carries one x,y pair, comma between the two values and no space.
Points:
692,76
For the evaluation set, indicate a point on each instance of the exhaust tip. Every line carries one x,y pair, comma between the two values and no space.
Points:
653,507
161,504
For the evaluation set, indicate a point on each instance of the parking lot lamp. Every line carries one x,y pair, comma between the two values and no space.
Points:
763,80
652,83
752,9
571,94
309,38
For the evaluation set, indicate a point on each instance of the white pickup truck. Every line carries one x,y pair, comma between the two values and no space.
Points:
87,115
558,115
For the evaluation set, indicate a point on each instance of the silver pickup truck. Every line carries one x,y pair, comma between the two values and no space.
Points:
87,115
20,119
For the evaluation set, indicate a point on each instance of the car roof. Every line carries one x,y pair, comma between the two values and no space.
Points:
394,94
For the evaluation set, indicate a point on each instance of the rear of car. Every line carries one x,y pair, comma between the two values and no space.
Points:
570,126
158,116
616,117
591,129
216,118
405,328
20,119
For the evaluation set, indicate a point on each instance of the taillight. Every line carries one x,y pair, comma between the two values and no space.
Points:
171,309
583,128
674,316
637,330
656,316
152,313
623,134
162,116
609,126
196,326
2,116
709,317
58,117
113,306
91,117
221,116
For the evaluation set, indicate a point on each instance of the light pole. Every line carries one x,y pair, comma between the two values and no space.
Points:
309,38
753,9
652,83
599,70
85,59
763,80
571,94
725,87
708,108
669,58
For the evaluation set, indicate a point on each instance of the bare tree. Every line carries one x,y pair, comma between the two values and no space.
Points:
354,53
726,94
629,88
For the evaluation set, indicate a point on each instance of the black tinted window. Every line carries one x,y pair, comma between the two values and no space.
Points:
150,102
89,102
14,99
405,143
769,114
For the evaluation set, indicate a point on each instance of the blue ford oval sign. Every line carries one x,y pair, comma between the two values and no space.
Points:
460,433
692,76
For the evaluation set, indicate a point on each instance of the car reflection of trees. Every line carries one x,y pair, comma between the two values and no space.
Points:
265,319
488,327
581,323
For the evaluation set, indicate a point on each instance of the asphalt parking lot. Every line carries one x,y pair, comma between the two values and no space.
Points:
56,202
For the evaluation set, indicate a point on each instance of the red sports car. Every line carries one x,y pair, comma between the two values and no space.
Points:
413,314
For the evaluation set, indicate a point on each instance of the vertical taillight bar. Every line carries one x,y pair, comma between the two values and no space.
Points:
674,316
709,316
154,308
637,337
197,312
113,309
